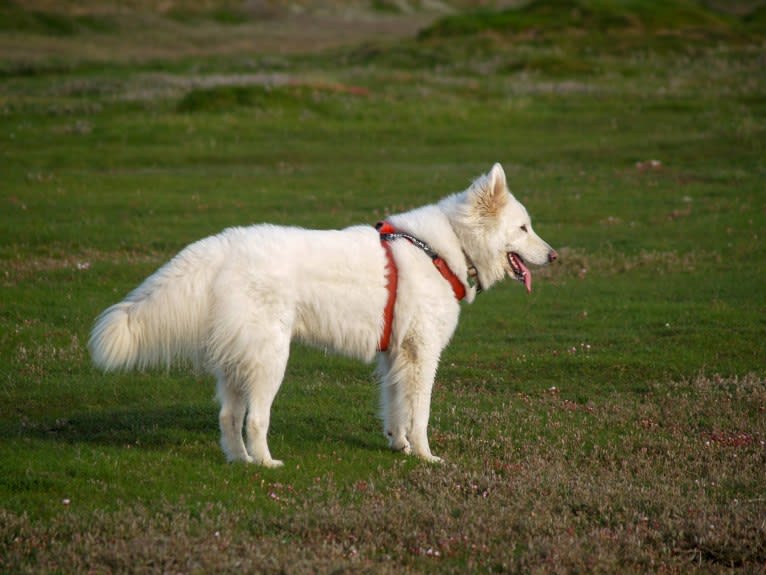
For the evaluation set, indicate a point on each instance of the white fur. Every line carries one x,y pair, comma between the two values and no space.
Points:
233,302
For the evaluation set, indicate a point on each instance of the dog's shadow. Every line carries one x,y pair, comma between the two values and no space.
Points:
168,426
159,426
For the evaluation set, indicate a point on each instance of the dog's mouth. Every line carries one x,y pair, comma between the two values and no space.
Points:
520,271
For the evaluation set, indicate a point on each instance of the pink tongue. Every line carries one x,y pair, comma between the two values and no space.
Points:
517,262
527,275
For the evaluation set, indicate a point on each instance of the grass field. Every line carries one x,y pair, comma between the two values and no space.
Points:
612,421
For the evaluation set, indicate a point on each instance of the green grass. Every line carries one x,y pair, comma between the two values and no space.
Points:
611,421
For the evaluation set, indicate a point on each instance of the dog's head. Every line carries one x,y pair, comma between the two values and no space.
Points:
495,231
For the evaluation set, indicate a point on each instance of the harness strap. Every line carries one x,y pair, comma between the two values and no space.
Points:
392,275
389,233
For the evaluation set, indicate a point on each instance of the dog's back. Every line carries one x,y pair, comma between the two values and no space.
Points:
324,287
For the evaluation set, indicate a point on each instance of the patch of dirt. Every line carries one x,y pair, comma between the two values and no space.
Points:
19,270
148,37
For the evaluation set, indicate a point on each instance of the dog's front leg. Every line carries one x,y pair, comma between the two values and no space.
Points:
408,377
420,402
392,408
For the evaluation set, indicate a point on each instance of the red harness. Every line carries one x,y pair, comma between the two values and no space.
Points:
389,233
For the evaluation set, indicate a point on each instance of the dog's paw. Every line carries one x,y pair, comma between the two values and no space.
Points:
271,463
239,458
400,444
430,458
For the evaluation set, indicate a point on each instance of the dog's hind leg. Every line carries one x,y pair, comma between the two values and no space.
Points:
248,347
262,387
231,419
246,397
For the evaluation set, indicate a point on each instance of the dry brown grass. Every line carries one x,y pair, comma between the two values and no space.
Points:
668,482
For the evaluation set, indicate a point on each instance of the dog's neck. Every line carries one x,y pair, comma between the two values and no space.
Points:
473,275
434,226
389,233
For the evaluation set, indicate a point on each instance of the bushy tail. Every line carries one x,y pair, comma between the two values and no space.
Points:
161,321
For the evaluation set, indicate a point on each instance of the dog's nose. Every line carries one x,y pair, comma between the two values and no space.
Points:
552,256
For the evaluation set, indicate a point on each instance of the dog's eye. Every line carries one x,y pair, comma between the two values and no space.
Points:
524,228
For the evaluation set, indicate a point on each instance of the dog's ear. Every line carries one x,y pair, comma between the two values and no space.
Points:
491,195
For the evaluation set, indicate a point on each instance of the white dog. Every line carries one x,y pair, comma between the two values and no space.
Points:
232,303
